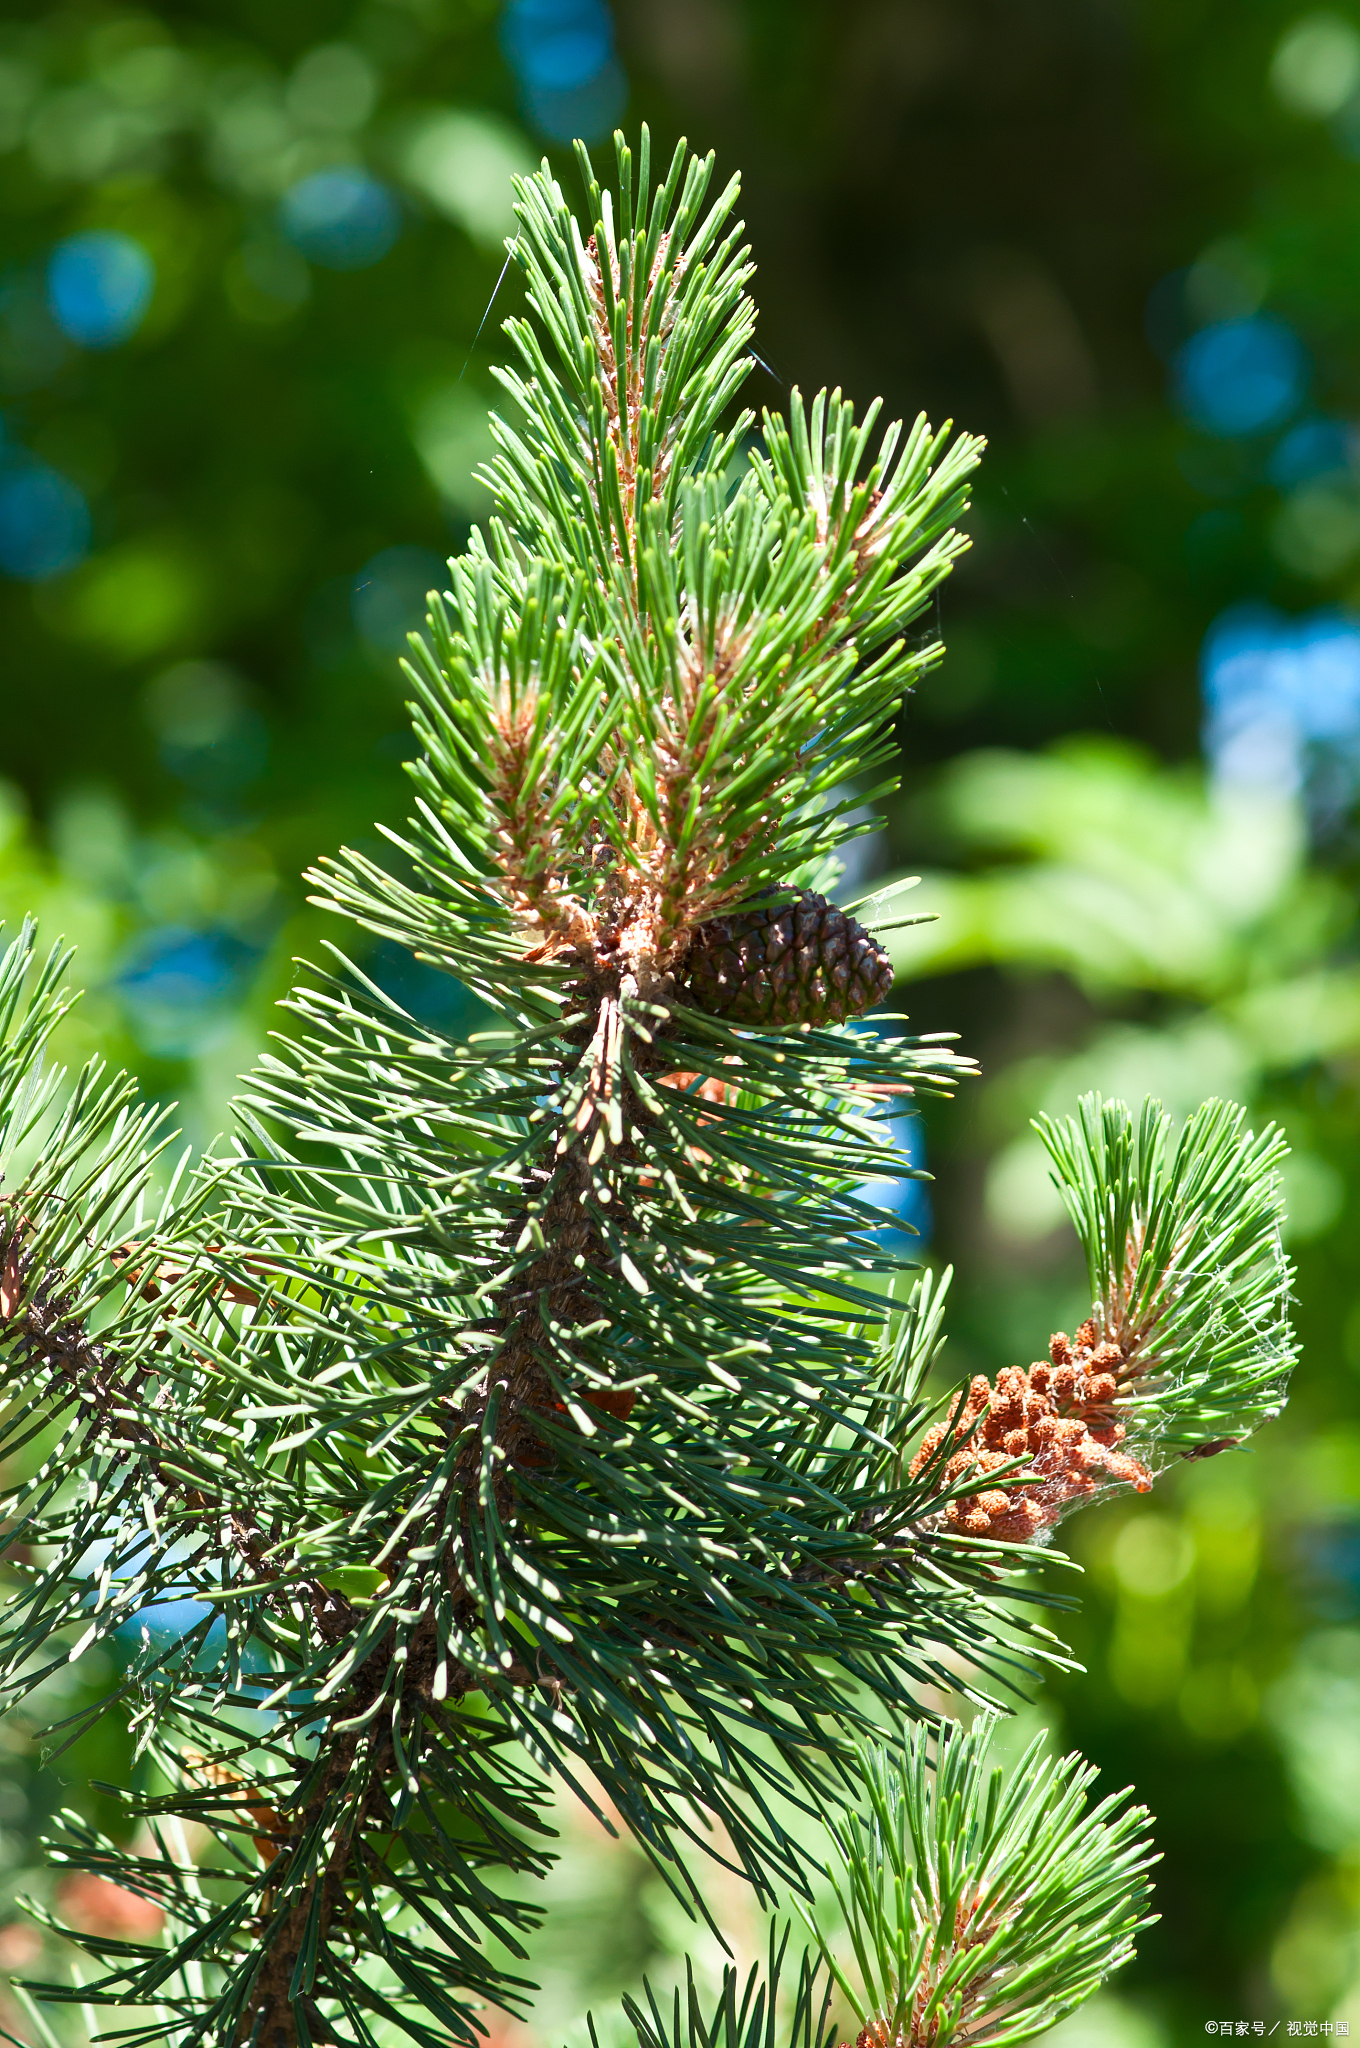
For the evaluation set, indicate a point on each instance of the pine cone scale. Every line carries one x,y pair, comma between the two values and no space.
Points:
805,963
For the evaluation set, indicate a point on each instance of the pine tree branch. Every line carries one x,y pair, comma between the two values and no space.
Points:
538,1404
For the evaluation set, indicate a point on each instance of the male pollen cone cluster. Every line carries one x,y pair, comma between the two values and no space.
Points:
1060,1415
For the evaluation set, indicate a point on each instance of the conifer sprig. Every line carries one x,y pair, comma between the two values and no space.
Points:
1188,1347
743,650
982,1905
1188,1276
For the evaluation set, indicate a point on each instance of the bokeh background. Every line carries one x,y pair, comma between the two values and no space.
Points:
246,248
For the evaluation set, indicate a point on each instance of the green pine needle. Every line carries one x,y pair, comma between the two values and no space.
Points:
982,1905
1188,1276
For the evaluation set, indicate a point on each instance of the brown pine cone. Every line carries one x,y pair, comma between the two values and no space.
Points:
804,963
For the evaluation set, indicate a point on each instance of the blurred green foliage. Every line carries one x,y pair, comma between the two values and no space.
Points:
1166,936
1020,216
273,462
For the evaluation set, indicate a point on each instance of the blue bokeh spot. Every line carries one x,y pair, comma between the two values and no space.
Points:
1314,448
562,53
343,219
907,1215
182,967
99,286
1241,376
592,110
167,1621
178,985
44,522
557,45
1277,689
1309,667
